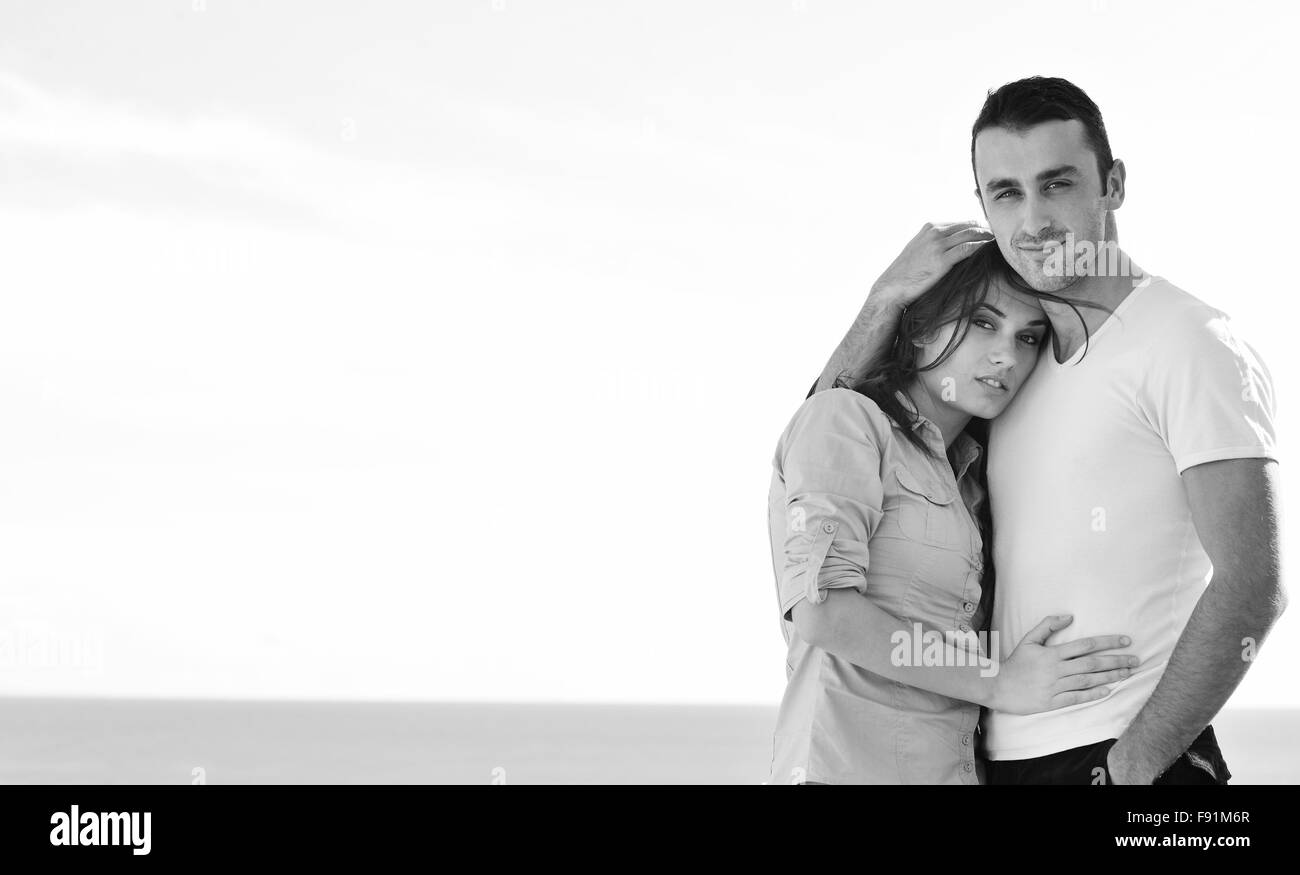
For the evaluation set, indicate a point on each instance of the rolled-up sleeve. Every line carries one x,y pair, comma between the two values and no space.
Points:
830,462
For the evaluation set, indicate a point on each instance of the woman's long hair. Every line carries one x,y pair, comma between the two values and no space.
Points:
954,297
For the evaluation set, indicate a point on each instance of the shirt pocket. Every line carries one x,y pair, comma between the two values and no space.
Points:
924,509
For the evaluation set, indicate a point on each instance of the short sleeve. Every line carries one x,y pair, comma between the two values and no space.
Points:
1209,395
830,462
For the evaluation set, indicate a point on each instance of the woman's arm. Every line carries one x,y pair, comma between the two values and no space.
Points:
852,627
831,462
1036,677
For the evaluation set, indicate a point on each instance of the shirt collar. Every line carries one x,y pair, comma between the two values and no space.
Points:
965,449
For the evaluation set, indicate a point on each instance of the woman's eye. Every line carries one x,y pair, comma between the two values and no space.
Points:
982,323
1030,339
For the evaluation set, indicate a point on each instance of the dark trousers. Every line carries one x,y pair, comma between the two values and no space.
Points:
1201,763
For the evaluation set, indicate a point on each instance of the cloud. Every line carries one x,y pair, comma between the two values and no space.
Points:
67,152
70,151
37,117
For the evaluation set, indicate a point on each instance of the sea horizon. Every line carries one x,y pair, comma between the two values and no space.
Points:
109,740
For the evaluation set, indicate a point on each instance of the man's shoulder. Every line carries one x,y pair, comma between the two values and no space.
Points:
1187,336
1176,308
1175,320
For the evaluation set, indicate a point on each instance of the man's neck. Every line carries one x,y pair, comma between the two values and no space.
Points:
1069,333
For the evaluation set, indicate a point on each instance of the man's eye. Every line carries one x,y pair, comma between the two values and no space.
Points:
1058,182
1011,192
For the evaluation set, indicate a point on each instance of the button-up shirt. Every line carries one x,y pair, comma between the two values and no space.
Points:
854,504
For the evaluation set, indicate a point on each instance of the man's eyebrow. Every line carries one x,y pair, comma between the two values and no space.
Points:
1002,315
1050,173
1053,172
994,184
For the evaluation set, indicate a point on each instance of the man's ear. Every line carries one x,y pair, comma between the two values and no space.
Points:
981,202
1115,185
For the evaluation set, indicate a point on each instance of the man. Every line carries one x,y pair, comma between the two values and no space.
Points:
1133,481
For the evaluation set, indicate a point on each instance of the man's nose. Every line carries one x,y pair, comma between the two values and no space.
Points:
1037,219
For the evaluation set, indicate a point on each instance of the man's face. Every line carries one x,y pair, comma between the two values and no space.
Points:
1036,186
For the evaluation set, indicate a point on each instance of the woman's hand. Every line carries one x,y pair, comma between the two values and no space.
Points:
1043,677
927,257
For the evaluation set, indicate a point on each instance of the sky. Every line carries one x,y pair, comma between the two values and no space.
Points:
439,351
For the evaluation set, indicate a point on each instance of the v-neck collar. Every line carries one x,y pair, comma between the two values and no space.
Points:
1105,326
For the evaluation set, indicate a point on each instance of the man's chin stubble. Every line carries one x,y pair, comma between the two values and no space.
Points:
1040,282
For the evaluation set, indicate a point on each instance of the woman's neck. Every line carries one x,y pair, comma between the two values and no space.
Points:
950,420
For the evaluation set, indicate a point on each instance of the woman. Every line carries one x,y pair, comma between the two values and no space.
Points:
879,526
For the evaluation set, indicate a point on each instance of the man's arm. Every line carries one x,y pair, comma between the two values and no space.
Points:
867,341
926,258
1235,509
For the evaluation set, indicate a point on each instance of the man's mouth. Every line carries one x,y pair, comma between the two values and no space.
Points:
1039,251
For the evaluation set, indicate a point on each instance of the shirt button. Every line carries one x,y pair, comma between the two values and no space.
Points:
965,739
965,627
967,767
828,527
968,607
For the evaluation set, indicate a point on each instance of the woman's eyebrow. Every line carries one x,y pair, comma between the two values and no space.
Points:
1002,315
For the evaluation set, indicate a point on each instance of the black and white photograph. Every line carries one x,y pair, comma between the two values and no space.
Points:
574,393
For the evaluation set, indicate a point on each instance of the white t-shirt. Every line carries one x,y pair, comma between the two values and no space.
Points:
1090,516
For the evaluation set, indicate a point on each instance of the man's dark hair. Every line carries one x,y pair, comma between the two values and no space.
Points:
1024,103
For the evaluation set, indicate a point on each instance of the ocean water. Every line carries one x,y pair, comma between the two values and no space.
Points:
123,741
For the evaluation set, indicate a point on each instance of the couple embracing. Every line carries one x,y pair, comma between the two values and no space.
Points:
1058,471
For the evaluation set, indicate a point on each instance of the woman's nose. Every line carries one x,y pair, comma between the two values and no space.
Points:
1001,355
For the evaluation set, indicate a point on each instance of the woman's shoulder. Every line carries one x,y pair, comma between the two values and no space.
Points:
841,398
844,409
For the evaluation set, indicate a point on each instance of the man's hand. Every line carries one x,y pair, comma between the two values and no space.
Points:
1124,769
1235,508
927,257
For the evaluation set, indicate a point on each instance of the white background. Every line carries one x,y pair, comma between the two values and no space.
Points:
439,351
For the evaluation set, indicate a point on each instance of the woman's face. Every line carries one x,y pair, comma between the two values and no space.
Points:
997,355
